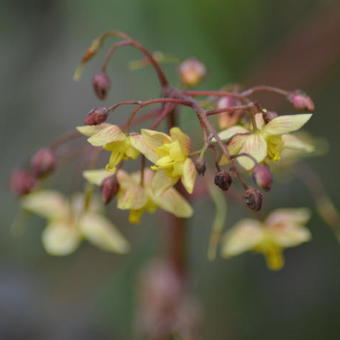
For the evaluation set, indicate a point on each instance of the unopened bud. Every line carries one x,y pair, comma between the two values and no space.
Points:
200,166
97,116
301,101
110,187
269,115
223,180
101,84
262,177
43,162
192,71
22,182
253,199
227,119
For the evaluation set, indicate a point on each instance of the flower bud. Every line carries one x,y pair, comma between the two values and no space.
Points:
227,119
253,199
22,182
200,166
101,84
223,180
192,71
110,187
43,162
97,116
262,177
269,115
301,101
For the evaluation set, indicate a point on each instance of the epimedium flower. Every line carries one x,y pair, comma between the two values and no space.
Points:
170,155
282,229
138,197
111,138
266,141
68,222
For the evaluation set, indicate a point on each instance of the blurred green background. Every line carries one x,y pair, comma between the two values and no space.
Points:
91,295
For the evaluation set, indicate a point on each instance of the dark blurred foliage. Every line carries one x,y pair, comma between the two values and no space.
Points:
91,295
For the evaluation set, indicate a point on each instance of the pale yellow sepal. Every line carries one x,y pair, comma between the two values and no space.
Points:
96,176
189,175
90,130
108,134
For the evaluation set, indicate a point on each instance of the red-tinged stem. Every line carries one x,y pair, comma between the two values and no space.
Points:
193,93
64,139
264,88
161,75
229,109
110,52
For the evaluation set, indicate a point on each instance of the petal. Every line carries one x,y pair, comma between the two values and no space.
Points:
145,145
189,175
162,182
172,201
290,235
60,238
125,180
295,143
285,124
183,139
254,145
103,234
109,134
227,134
132,197
244,236
115,158
159,138
90,130
97,176
47,203
289,216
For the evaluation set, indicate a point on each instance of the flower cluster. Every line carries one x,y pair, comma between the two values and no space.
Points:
245,141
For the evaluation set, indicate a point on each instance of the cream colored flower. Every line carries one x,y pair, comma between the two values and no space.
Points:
170,155
68,223
267,142
111,138
282,229
139,197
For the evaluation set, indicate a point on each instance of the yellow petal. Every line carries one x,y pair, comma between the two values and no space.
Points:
158,137
145,145
90,130
274,258
60,238
103,234
227,134
244,236
115,159
97,176
284,216
286,124
47,203
189,175
132,197
290,236
254,145
295,143
172,201
109,134
183,139
162,182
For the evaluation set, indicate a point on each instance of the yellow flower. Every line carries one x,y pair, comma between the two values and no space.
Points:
282,229
111,138
170,155
68,223
267,142
139,198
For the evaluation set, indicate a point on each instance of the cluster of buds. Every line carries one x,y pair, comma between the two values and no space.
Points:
42,164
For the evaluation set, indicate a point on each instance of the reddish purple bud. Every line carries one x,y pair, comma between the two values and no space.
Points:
97,116
301,101
262,177
269,115
22,182
192,71
200,166
226,102
253,198
110,187
43,162
101,85
223,180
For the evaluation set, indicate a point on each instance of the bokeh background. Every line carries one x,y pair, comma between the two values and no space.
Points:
90,294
